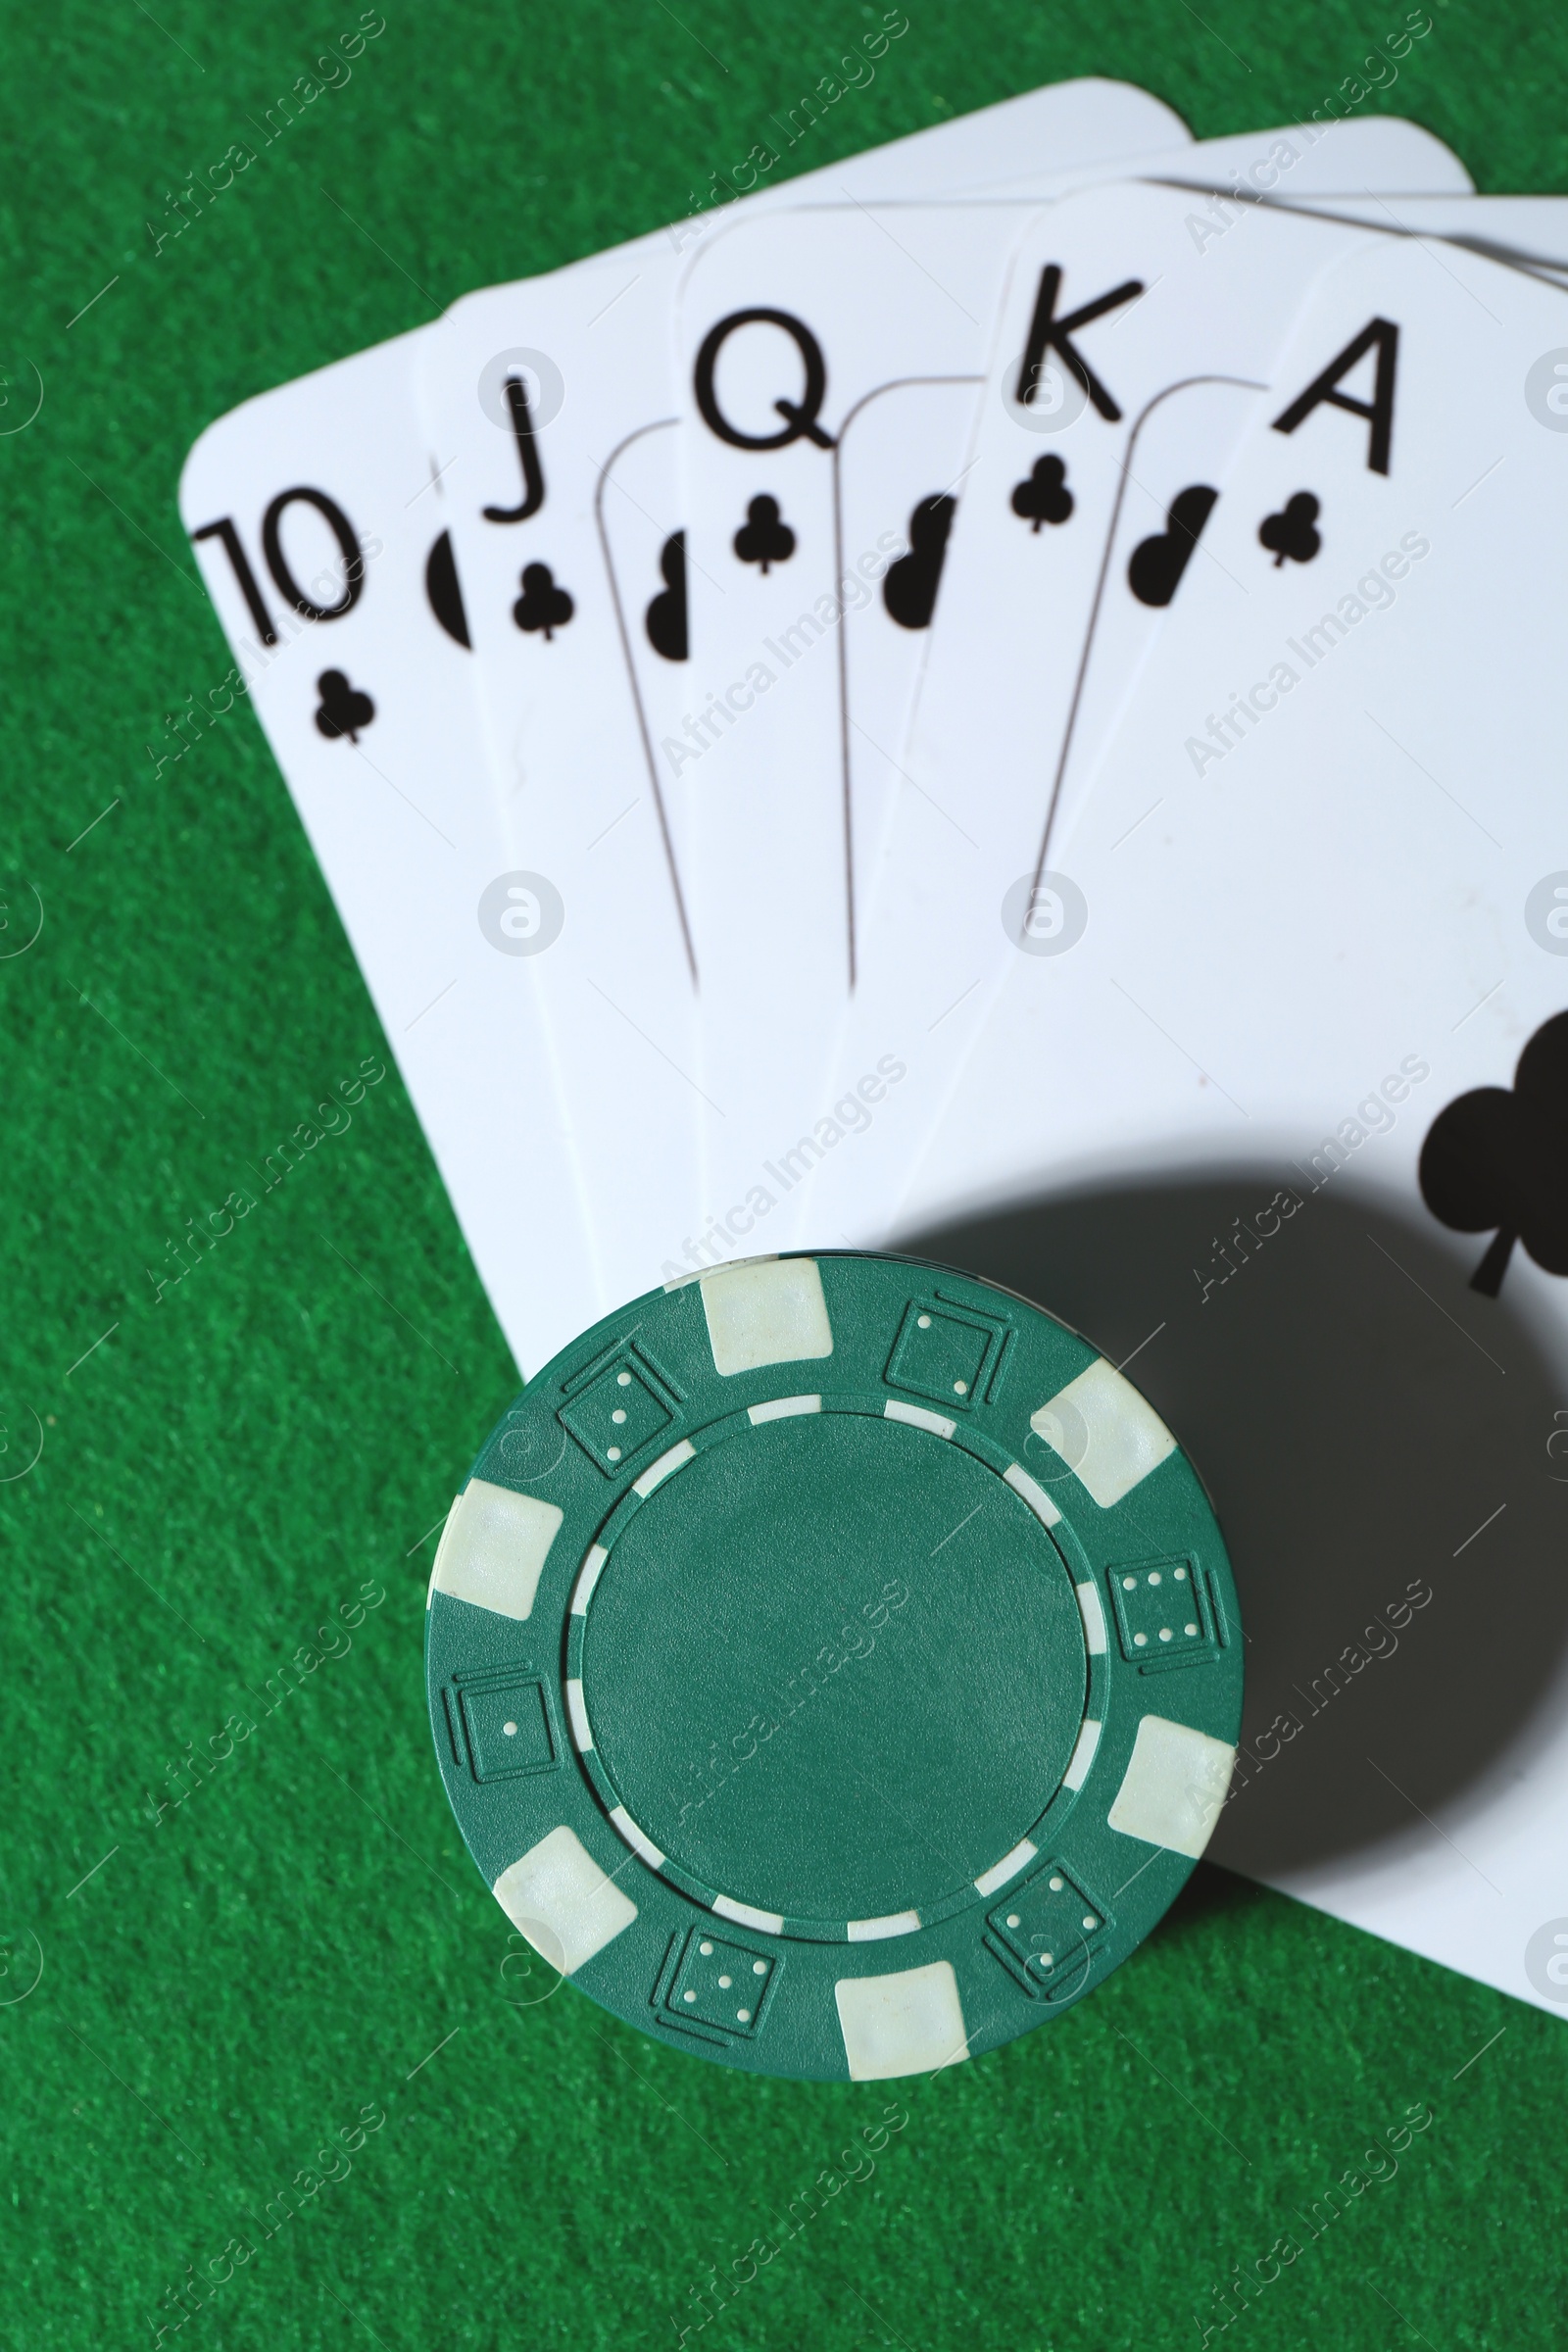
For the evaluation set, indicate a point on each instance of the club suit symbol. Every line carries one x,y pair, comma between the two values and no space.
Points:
542,606
443,591
764,538
344,708
1499,1160
1156,569
1291,532
666,616
1043,497
910,587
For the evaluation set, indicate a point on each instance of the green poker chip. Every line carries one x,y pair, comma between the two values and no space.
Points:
834,1666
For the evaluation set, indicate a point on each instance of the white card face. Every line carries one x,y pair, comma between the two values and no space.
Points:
1322,862
641,517
529,392
324,542
1178,455
900,475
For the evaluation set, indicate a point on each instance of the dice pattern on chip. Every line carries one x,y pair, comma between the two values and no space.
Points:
1044,1930
1163,1613
949,1355
505,1726
620,1414
720,1985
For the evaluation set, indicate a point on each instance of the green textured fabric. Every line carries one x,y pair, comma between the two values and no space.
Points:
300,1948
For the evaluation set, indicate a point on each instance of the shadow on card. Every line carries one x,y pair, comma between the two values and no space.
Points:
1373,1436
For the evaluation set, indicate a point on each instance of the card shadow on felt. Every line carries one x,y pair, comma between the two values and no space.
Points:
1357,1413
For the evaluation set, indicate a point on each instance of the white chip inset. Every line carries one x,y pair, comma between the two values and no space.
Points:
919,1417
997,1877
559,1887
1094,1617
1083,1754
493,1548
1126,1437
1173,1788
588,1575
1034,1494
656,1472
769,1311
746,1915
907,2024
875,1931
782,1408
429,1589
636,1837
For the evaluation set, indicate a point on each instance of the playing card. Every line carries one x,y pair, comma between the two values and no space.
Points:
528,391
901,473
322,536
1320,871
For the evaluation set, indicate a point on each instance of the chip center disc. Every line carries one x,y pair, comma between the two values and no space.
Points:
835,1668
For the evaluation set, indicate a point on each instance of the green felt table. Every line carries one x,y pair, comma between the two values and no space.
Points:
299,1955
